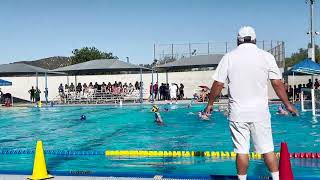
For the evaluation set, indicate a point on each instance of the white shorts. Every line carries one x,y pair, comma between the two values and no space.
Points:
260,133
173,95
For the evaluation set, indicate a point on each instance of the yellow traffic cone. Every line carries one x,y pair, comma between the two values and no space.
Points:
39,165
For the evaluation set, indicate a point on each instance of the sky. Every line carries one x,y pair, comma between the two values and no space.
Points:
34,29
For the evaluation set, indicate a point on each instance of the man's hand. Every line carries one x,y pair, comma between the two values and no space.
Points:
208,109
292,110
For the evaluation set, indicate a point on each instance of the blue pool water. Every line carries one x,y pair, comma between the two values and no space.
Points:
132,128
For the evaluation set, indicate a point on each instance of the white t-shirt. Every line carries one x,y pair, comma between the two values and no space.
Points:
173,91
247,70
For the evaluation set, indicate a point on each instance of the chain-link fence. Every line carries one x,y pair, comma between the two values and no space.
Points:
165,53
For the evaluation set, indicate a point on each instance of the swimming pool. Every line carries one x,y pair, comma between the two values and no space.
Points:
132,128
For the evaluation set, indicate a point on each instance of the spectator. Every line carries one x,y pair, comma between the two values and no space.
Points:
32,93
66,87
161,90
96,86
167,92
60,89
155,90
37,95
309,85
79,88
131,88
316,84
85,88
71,88
181,91
1,96
103,87
136,85
173,92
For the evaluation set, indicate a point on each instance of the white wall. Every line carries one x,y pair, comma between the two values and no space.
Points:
191,81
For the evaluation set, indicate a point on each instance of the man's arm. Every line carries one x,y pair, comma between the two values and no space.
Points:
216,89
280,90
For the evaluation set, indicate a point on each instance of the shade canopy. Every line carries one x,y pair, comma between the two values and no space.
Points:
306,66
20,69
5,83
100,65
198,61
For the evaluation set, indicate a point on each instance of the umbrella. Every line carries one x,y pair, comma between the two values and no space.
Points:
5,83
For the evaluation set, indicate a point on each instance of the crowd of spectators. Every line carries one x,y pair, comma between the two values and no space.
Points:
117,88
166,91
297,89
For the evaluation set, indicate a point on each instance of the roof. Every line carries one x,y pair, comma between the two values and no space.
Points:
20,68
5,83
306,66
100,65
211,60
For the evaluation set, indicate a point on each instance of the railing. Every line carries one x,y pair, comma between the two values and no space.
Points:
96,97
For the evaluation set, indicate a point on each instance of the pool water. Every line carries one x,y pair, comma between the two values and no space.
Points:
133,128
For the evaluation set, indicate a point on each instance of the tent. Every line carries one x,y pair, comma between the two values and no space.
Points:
305,67
5,83
15,69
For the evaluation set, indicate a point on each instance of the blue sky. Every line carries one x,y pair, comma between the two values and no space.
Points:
36,29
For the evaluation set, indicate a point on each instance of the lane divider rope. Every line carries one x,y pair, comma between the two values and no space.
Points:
142,153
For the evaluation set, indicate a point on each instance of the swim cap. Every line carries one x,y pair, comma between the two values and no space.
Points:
155,108
83,117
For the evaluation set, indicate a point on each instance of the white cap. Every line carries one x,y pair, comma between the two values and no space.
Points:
246,31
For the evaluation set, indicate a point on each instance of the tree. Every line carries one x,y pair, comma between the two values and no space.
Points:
301,55
89,53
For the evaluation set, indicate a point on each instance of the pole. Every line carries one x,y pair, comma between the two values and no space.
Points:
189,49
167,76
226,47
171,51
46,87
208,48
154,51
293,93
141,95
37,81
75,80
152,98
157,84
68,80
313,102
312,33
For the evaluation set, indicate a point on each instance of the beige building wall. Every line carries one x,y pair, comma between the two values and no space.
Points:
191,81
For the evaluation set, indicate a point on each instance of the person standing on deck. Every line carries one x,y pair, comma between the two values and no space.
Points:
250,67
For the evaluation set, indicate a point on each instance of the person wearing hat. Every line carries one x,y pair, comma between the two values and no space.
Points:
249,116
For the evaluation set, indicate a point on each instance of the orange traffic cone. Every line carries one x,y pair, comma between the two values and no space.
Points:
285,171
39,165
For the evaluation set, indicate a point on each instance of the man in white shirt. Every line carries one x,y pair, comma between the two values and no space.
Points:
247,70
173,92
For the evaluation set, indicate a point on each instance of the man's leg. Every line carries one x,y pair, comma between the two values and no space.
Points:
241,142
261,133
242,162
271,161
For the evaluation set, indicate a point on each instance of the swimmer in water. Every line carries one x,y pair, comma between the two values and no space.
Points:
83,117
281,111
157,116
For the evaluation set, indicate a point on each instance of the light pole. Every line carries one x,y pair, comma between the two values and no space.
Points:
312,33
152,83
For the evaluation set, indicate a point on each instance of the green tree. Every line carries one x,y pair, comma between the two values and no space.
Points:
301,55
89,53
